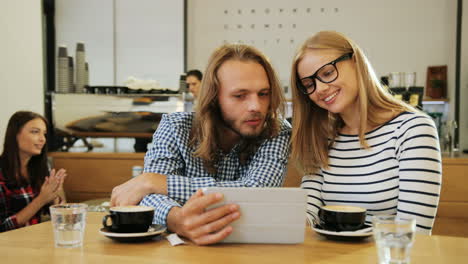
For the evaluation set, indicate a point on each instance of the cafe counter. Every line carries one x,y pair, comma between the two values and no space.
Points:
92,175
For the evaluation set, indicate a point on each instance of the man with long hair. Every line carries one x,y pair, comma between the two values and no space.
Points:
235,139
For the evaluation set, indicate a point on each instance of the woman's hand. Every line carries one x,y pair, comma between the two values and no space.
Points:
49,190
60,176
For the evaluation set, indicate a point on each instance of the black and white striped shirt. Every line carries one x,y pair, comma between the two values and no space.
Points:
400,173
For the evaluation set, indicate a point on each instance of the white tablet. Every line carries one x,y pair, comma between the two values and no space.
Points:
268,215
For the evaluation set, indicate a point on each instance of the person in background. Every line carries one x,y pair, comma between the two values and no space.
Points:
356,143
237,138
193,79
26,187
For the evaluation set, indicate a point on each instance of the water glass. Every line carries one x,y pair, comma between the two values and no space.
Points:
396,79
410,79
68,222
394,238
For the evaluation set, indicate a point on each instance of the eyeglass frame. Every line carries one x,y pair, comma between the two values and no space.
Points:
314,76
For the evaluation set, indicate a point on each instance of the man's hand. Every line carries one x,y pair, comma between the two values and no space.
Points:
134,190
203,226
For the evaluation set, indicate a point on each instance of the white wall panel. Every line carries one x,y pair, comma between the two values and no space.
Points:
150,40
21,60
91,22
397,35
123,38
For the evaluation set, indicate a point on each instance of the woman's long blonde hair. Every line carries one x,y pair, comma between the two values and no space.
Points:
313,126
206,130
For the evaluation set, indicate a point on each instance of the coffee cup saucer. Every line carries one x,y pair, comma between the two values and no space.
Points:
153,231
363,233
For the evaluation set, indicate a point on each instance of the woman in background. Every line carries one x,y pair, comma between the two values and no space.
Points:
193,80
25,188
357,144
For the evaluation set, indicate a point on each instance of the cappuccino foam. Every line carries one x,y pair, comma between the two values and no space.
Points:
131,208
344,208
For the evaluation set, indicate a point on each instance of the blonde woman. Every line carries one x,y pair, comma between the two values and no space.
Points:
357,144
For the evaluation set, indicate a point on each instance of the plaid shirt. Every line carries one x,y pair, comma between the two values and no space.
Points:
171,155
12,200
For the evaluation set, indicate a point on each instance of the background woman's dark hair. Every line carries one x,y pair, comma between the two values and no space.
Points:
198,74
10,159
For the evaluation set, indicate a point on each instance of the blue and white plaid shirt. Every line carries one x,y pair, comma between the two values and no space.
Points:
171,155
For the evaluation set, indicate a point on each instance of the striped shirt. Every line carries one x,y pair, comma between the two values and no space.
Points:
399,174
172,156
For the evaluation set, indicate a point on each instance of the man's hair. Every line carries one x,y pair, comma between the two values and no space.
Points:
313,126
206,131
198,74
10,160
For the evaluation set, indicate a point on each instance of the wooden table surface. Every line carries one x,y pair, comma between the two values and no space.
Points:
35,244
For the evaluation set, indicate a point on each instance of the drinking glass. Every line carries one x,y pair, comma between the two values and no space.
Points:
68,222
410,79
394,238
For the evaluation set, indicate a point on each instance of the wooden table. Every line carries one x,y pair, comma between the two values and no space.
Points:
35,244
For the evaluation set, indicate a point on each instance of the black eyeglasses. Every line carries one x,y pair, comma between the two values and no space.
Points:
326,74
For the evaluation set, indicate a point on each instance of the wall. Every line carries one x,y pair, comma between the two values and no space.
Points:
21,63
77,21
125,38
21,33
396,35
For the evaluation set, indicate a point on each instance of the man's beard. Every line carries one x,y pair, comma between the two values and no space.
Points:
229,123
